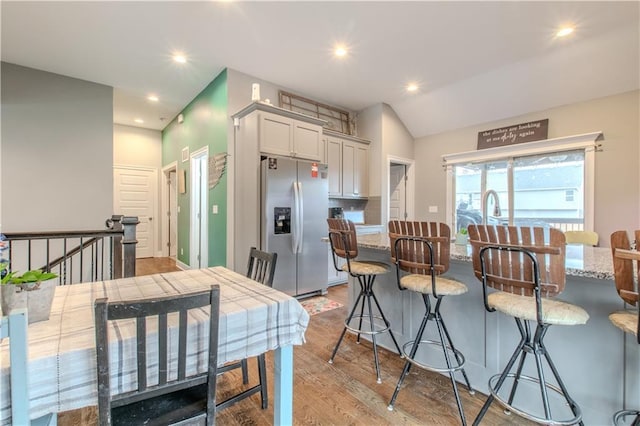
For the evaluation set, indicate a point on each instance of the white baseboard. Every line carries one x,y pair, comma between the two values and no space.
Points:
182,266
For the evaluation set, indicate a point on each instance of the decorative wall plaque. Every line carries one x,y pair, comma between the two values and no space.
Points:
513,134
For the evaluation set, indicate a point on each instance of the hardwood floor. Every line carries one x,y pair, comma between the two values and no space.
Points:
346,392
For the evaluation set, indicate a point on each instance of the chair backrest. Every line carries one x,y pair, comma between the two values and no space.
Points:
588,238
140,310
512,271
261,266
342,236
14,326
623,265
412,256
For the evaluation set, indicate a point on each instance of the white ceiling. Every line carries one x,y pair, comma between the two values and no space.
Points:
475,61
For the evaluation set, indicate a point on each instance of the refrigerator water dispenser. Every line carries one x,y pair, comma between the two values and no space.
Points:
282,219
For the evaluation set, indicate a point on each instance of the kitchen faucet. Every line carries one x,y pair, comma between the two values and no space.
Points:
485,202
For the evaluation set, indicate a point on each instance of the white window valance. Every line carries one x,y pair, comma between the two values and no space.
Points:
565,143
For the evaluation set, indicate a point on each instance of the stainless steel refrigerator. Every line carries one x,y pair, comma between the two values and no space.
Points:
294,203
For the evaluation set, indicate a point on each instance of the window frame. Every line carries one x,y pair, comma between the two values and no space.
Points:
586,141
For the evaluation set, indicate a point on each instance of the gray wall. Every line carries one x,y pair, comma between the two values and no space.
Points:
57,151
617,186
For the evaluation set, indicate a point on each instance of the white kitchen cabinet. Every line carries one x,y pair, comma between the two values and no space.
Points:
289,137
355,169
336,277
334,161
348,160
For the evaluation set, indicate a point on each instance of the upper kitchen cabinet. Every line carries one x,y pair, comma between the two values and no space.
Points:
348,160
288,137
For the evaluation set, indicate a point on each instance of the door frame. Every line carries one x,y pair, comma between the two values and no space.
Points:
166,207
204,219
410,187
154,192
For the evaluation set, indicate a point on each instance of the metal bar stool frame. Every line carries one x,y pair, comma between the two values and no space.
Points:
430,315
624,257
366,294
529,343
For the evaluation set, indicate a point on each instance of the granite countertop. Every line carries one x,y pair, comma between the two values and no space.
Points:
581,261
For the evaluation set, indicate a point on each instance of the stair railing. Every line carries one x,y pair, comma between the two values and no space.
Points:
78,256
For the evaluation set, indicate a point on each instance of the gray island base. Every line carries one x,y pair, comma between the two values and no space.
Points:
599,364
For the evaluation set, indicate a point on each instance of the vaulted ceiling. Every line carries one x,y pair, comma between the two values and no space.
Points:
474,62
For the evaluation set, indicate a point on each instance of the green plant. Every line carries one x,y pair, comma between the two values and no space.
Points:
34,276
463,231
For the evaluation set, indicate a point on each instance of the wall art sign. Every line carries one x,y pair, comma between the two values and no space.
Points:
217,167
514,134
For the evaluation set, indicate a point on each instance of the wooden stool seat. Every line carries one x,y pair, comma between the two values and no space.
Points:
344,245
521,269
366,267
626,269
422,284
554,312
421,253
626,321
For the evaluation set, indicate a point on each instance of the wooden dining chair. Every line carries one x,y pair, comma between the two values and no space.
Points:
626,270
177,396
261,267
525,266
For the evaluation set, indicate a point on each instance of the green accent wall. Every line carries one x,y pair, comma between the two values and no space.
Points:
205,124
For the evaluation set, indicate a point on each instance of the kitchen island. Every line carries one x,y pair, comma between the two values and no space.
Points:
598,363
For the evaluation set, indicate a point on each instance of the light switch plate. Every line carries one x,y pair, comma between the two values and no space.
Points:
215,209
433,209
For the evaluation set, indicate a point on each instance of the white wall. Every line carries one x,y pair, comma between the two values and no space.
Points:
57,151
136,147
389,137
617,187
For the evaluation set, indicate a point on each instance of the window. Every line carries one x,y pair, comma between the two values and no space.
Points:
536,185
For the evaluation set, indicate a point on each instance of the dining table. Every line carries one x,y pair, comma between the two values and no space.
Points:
254,319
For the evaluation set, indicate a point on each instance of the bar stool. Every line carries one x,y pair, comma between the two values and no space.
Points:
625,260
342,237
527,272
422,250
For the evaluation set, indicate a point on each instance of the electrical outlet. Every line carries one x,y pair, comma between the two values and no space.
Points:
178,209
215,209
433,209
181,251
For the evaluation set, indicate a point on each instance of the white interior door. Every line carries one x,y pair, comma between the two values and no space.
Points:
397,192
134,195
173,213
198,255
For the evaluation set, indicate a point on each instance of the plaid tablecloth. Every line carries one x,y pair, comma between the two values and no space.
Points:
62,360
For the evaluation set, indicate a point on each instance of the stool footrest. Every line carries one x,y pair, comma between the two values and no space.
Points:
457,353
620,415
378,330
529,416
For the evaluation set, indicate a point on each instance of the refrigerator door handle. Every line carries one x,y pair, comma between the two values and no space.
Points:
300,218
295,218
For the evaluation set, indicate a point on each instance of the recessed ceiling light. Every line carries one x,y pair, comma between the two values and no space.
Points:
340,51
153,98
564,31
139,120
179,58
412,87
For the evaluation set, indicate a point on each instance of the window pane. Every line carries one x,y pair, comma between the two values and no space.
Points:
549,190
497,180
468,186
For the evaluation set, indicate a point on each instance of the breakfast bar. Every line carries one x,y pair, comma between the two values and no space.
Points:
599,364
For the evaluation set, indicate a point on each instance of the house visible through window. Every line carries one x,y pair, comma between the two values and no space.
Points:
535,190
